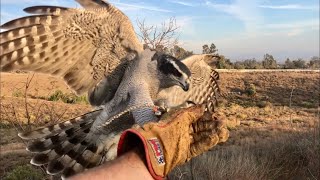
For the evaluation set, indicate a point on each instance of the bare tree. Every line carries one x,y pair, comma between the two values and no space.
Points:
25,98
158,38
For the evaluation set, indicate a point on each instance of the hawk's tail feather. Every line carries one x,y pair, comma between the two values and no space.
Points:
87,157
78,157
68,142
57,128
72,147
84,155
68,135
88,153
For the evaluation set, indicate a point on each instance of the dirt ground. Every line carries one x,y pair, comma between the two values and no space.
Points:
41,84
283,101
276,86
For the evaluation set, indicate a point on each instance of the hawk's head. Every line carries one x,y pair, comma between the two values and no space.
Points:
173,71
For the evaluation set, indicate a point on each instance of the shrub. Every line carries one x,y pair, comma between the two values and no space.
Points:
24,172
17,93
250,90
58,95
308,104
263,104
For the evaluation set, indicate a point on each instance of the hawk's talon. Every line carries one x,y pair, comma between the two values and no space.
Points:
159,111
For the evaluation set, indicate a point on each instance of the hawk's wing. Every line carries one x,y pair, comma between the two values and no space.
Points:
203,84
80,45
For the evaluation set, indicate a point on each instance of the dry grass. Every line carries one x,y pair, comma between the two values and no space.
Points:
28,106
282,155
273,87
37,112
273,135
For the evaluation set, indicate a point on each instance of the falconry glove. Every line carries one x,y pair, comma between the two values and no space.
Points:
175,139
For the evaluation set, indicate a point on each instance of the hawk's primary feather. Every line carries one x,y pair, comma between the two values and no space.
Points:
80,45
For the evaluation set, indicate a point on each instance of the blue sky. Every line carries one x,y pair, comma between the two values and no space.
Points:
239,28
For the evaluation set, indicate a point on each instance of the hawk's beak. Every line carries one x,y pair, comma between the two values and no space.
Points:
185,86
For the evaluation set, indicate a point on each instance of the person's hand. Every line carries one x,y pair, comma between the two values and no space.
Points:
175,139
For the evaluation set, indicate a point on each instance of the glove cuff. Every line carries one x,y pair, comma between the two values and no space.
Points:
151,150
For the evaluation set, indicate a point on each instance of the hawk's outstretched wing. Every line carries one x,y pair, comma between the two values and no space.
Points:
80,45
203,84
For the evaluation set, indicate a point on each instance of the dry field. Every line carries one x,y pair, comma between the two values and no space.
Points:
273,118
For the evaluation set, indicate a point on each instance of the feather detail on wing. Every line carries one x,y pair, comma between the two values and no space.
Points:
81,45
70,147
204,86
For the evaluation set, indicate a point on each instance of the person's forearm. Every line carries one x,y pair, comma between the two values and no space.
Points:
129,165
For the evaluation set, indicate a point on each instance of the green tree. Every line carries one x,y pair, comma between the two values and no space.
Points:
269,62
314,63
209,50
239,65
179,52
288,64
299,64
224,63
252,64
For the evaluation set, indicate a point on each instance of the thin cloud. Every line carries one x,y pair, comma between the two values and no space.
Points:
183,3
246,11
186,25
18,1
289,7
295,32
32,2
293,25
150,8
291,29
